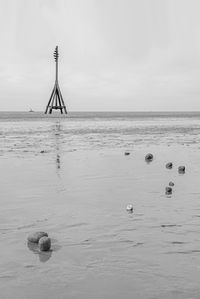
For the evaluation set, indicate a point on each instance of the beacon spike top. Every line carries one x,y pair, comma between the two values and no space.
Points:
55,54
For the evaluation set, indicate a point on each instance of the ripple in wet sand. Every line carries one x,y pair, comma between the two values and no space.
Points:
171,225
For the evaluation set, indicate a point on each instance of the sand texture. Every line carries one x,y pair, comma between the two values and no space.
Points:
71,179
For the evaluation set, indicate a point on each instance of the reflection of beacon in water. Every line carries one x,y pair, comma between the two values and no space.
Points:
58,161
57,128
57,133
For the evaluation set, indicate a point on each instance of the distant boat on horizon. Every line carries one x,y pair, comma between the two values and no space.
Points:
31,110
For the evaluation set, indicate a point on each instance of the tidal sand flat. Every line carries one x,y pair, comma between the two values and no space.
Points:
70,177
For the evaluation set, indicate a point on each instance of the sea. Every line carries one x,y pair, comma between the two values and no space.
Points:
68,175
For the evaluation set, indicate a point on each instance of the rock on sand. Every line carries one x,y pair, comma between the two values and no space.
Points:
168,190
181,169
129,208
126,153
169,165
44,244
35,237
149,157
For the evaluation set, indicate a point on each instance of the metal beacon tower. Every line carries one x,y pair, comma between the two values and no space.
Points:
56,100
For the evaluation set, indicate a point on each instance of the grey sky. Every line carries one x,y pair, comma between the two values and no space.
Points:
114,54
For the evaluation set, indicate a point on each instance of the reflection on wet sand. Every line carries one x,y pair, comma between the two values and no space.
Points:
43,256
58,161
57,133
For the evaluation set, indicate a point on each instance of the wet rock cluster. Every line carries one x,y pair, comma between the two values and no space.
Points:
42,239
169,165
181,170
168,189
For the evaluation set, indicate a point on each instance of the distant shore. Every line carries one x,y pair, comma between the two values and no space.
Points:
98,114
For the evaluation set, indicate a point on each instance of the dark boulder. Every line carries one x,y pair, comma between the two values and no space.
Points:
126,153
181,169
168,190
44,244
169,165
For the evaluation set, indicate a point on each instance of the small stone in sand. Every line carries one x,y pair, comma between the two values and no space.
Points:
35,237
181,169
168,190
126,153
171,184
149,157
169,165
129,208
44,244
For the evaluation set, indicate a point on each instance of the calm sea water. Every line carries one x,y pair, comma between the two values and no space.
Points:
69,176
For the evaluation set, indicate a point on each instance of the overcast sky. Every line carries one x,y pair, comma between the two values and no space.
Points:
123,55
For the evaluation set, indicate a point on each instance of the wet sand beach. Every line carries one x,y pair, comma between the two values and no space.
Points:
70,178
